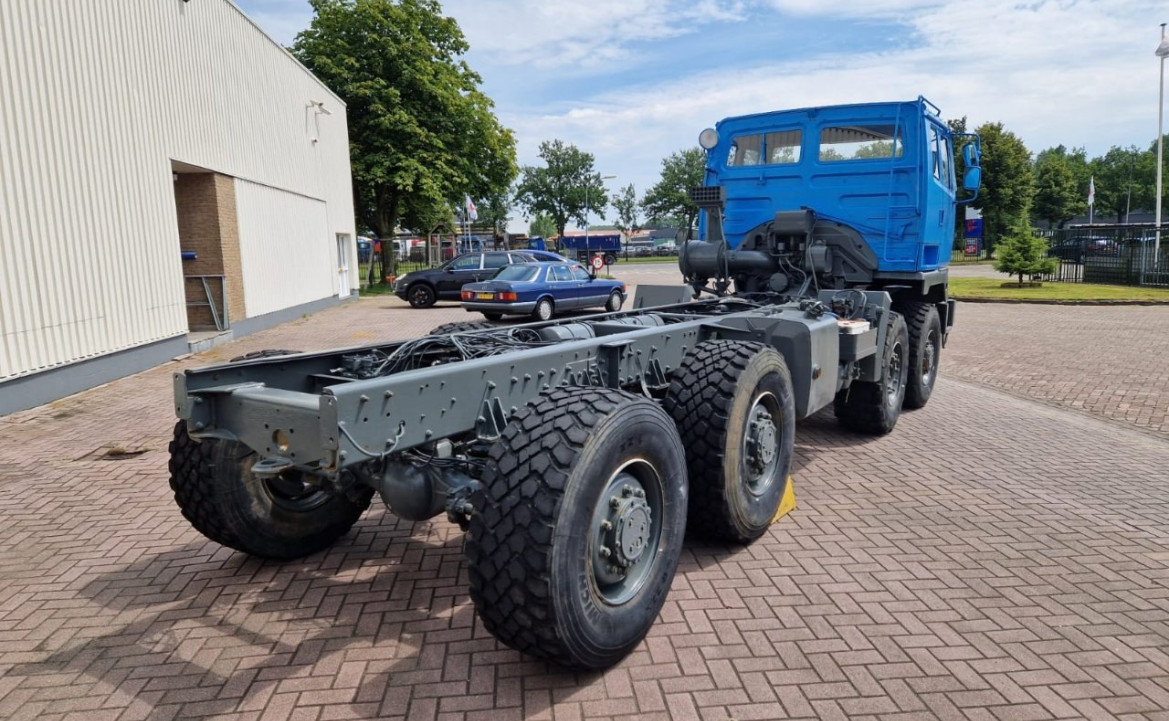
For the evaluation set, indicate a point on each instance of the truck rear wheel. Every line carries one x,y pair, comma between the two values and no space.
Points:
873,408
577,530
925,351
735,409
279,517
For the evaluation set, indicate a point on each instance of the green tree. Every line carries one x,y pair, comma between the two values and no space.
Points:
542,225
1057,193
494,210
564,188
1149,171
1024,253
958,126
1005,195
669,199
421,133
1123,179
628,211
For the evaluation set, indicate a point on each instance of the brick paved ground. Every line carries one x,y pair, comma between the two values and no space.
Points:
1110,361
993,558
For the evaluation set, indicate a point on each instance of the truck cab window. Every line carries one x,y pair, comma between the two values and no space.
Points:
746,150
860,142
783,148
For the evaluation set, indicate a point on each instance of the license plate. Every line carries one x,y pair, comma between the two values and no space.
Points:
484,296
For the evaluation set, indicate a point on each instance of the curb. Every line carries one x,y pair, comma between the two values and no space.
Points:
1043,301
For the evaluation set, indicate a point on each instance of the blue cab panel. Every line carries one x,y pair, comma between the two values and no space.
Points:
885,169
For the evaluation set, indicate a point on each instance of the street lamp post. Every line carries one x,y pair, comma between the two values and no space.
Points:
1161,52
586,242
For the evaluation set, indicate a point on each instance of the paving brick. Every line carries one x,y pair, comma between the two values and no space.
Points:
1000,555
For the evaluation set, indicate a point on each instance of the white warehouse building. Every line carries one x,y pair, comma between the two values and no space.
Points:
169,176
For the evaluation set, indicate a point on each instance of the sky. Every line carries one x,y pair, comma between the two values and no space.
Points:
632,81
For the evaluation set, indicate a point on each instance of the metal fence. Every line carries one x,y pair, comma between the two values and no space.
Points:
1110,254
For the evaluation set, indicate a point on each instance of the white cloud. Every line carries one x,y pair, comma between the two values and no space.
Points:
547,34
1053,71
1077,73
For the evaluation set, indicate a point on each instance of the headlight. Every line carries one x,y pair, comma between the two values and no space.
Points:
708,139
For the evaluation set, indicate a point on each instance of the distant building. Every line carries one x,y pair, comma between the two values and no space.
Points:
169,176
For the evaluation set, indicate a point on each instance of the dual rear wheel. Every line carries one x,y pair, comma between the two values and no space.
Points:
578,528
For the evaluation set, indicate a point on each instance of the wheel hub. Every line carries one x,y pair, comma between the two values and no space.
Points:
928,360
626,531
761,439
895,380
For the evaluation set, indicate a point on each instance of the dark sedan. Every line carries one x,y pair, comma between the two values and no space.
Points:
422,288
542,290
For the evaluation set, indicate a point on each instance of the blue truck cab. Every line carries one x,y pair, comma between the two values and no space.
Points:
838,208
881,173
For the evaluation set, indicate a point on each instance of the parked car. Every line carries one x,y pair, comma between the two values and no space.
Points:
1075,249
421,289
542,289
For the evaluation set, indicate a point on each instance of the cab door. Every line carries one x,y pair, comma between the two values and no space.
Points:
938,216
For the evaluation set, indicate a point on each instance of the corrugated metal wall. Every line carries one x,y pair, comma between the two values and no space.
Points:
270,222
96,101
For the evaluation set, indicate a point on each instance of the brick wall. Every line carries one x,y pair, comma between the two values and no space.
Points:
208,226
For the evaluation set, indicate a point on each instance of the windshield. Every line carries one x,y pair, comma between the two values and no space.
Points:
519,273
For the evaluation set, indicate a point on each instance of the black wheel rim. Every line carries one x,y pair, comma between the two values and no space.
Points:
759,451
897,370
929,359
626,531
290,492
420,295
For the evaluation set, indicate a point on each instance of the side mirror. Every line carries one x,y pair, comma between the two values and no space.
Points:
972,179
970,155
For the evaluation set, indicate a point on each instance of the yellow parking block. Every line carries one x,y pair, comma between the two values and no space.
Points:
788,503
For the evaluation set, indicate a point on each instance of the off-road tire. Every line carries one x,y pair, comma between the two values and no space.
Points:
614,303
925,332
711,398
869,407
421,295
461,326
531,543
268,353
216,491
539,314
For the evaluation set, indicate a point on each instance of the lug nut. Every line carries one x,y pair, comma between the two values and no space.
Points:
606,526
614,503
627,491
605,552
640,493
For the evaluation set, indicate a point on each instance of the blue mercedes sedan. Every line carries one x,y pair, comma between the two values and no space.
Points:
541,290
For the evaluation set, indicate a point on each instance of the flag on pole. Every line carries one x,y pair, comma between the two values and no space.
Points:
472,211
1092,190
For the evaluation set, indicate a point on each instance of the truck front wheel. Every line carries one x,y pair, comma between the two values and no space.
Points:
576,533
735,409
873,407
279,517
925,352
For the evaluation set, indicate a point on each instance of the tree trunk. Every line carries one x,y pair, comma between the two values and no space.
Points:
386,219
